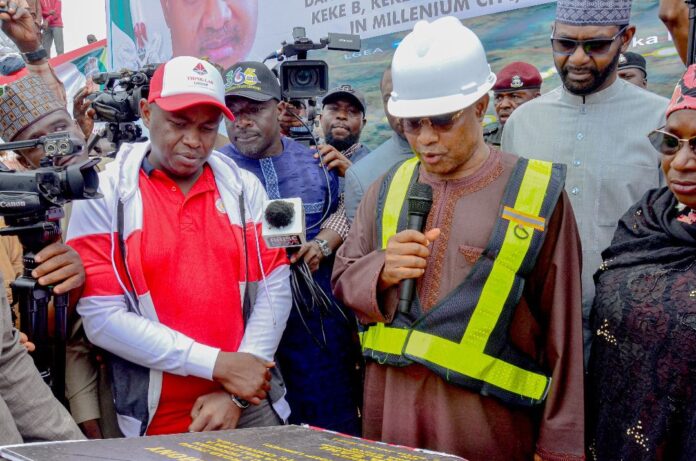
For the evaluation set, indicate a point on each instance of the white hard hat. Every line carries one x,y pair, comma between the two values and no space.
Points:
440,67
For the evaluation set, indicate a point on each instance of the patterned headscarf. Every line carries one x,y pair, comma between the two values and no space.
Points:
684,96
22,103
593,12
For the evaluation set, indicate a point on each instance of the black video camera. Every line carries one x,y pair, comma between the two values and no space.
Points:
120,100
118,104
27,198
31,203
305,78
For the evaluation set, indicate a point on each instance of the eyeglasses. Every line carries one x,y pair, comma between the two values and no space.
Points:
594,47
439,122
669,144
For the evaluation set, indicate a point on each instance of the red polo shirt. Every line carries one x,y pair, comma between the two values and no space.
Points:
192,267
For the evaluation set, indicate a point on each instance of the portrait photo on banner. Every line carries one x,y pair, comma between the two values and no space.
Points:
153,31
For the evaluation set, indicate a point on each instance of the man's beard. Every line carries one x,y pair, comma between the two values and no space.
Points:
341,144
256,149
598,78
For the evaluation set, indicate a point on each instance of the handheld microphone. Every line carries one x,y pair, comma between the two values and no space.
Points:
283,224
420,200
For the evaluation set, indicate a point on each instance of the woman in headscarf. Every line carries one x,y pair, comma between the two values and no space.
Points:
642,372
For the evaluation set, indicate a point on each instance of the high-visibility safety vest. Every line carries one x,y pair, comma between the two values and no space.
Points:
464,338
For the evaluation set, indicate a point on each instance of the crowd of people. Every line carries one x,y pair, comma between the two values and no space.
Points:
554,315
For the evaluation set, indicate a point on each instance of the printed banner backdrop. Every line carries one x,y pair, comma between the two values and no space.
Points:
227,31
142,31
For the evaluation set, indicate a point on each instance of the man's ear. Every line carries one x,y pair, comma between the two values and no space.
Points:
400,126
481,106
145,112
627,37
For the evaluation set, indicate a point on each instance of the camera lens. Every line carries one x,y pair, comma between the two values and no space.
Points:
304,78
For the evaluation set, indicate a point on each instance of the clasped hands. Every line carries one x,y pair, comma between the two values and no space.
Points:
241,374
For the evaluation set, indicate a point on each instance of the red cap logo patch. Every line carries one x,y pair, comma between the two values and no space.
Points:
200,69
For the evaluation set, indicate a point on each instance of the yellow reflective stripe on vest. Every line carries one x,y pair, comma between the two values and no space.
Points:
389,340
469,361
398,189
468,357
508,261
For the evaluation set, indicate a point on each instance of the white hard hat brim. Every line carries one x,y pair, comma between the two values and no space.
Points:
430,107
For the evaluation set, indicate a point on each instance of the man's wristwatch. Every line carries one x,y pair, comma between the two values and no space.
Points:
241,403
324,247
36,55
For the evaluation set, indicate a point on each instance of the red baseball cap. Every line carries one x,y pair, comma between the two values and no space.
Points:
184,82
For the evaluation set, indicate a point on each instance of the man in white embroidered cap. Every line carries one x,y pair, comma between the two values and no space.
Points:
482,356
594,123
171,259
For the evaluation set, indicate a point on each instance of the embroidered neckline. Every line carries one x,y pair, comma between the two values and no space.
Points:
491,169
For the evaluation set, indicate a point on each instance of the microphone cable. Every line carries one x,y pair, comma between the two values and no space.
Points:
323,168
303,287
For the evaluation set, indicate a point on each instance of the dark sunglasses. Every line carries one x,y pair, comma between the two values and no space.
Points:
594,47
669,144
441,122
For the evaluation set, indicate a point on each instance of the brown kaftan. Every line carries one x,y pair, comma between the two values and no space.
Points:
413,406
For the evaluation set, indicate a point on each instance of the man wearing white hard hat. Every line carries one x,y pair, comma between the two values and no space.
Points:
172,255
485,361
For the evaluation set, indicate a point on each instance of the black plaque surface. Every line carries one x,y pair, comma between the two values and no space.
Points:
281,443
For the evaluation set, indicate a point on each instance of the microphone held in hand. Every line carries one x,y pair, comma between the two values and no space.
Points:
283,224
420,200
279,213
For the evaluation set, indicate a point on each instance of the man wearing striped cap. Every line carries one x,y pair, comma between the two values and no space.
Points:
595,123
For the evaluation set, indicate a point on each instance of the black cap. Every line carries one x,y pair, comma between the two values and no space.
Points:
346,92
251,80
630,60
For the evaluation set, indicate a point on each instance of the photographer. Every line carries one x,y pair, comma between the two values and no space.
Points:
35,414
342,120
59,264
178,337
40,98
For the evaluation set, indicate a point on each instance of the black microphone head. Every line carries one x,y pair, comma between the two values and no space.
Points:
420,199
279,213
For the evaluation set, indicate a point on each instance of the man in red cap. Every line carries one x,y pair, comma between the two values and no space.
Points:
517,84
172,258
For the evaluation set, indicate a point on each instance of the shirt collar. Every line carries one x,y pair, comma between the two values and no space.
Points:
597,97
147,167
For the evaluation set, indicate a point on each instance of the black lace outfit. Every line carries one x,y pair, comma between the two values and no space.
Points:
641,397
